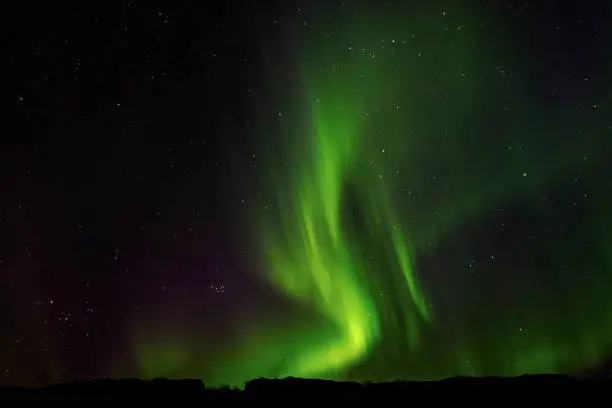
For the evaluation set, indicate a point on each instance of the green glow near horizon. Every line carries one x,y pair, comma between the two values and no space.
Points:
363,200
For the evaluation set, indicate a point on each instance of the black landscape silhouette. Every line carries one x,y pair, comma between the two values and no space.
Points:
295,390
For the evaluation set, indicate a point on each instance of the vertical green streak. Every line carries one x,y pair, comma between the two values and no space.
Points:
313,259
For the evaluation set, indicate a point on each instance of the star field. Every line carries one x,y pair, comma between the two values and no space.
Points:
342,190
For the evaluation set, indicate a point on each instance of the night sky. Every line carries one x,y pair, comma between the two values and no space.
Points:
346,190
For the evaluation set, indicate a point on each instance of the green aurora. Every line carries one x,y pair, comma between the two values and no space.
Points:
387,168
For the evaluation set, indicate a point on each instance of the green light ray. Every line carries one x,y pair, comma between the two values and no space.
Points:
380,175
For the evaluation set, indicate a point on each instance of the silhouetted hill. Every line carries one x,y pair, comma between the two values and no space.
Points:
294,390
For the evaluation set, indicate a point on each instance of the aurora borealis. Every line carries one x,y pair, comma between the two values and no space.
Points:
405,191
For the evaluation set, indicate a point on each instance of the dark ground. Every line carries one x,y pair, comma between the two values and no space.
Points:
290,390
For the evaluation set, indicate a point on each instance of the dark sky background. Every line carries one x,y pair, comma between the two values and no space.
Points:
132,171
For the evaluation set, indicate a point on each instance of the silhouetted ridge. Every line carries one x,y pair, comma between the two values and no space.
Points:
296,390
109,388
